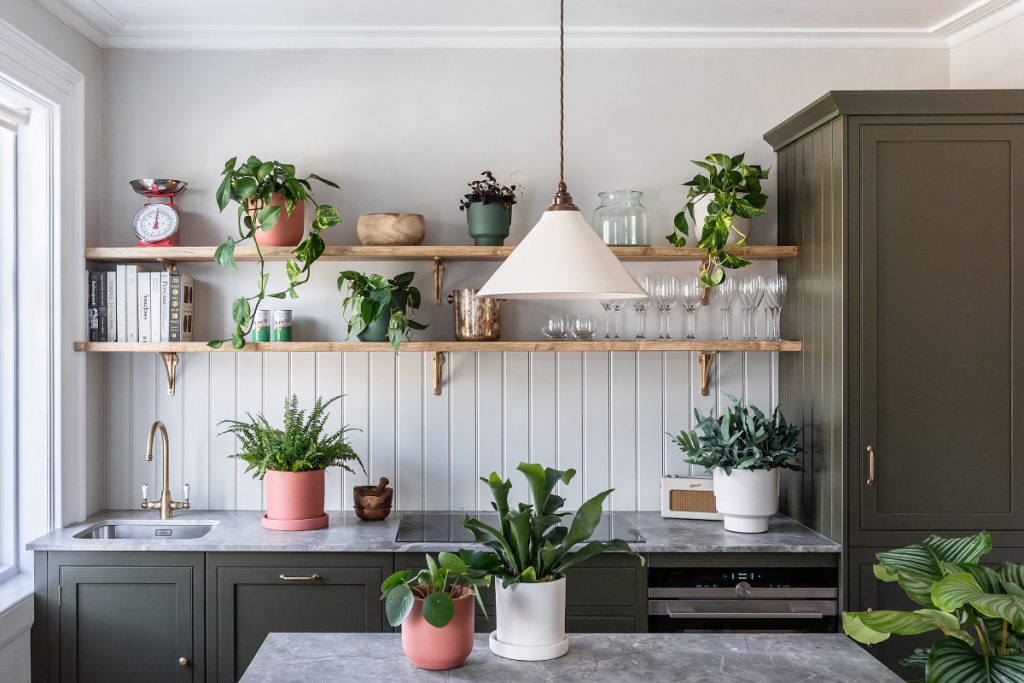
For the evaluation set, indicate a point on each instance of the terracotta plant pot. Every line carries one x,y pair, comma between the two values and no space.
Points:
288,230
295,501
391,229
429,647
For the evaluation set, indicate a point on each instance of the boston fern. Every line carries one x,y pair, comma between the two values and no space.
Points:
743,438
530,543
300,446
978,611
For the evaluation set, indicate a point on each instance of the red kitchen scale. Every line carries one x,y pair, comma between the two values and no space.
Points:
156,223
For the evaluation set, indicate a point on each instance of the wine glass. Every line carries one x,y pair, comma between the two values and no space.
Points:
584,328
751,293
775,294
726,294
640,306
691,295
617,305
555,327
607,305
666,293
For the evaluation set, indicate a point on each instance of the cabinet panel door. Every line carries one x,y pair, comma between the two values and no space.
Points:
254,601
126,624
937,304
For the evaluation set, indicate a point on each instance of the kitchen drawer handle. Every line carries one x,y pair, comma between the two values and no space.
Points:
871,466
743,615
311,577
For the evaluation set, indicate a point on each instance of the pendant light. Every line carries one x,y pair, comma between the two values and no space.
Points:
562,257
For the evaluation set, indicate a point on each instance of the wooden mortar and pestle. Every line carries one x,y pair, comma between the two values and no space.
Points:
373,503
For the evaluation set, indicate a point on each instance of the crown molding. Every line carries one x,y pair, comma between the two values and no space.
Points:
980,18
88,17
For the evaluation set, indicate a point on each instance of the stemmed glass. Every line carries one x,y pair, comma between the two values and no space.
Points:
607,305
691,296
666,293
726,294
617,305
775,294
751,292
640,306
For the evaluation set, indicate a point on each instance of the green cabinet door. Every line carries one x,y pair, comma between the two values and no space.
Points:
126,624
264,593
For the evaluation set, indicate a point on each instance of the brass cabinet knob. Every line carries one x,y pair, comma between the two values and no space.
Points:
183,661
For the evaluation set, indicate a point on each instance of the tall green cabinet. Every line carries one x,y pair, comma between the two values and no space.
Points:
908,294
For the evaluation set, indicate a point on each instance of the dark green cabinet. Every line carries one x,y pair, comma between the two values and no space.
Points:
252,595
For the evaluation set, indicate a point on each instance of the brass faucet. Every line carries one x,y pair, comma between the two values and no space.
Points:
166,504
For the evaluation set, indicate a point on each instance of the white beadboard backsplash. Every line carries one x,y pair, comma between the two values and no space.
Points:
603,413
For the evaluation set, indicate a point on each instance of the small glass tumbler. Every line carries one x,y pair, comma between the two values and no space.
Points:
584,328
556,327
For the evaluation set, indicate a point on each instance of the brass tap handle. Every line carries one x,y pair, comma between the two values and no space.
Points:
145,496
871,466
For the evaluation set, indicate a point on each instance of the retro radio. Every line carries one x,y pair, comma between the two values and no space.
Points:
688,498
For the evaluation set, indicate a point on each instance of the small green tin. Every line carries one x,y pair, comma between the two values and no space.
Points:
282,326
261,326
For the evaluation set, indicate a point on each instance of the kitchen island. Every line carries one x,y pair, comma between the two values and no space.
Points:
646,657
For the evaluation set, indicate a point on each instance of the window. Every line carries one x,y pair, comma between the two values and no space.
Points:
10,120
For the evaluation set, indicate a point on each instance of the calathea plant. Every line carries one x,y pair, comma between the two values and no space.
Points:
734,189
444,579
373,297
530,544
977,611
252,185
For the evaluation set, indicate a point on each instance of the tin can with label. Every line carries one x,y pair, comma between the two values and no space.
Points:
261,326
282,325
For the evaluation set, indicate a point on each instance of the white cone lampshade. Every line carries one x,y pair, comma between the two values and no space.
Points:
562,258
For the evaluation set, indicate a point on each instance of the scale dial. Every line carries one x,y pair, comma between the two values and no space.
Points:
155,222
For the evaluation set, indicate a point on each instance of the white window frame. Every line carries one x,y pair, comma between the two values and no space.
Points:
8,346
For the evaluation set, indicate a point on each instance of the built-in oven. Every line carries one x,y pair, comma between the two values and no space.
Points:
749,600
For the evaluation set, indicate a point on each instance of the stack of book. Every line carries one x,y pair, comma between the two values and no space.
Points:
129,304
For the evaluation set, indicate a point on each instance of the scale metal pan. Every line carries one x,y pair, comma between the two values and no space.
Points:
163,185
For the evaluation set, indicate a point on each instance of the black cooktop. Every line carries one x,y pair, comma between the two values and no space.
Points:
446,527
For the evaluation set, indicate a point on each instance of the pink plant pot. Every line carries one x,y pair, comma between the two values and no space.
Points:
288,230
295,495
429,647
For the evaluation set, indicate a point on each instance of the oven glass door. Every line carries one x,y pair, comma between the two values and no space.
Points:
742,616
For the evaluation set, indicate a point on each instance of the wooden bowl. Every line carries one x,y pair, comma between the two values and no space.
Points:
373,497
372,514
391,229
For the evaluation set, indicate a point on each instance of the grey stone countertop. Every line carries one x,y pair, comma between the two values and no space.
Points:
240,531
680,658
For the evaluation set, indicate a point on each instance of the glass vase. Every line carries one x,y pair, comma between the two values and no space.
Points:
621,219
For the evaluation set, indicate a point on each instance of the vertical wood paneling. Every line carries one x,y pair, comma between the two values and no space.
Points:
569,423
623,426
356,412
117,487
649,431
462,431
489,419
143,412
382,416
676,377
596,422
516,401
220,480
543,441
195,372
409,429
436,444
327,383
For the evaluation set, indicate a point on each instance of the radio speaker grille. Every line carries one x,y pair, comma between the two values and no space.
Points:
692,501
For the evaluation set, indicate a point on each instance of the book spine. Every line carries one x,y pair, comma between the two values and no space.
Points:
154,307
145,325
174,317
111,305
101,302
121,303
165,306
187,307
94,307
131,277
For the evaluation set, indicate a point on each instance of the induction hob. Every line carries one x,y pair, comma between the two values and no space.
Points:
446,527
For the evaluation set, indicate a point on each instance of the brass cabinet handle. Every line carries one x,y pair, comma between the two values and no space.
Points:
183,661
311,577
871,466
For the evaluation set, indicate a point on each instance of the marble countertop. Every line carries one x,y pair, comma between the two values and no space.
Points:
240,531
679,658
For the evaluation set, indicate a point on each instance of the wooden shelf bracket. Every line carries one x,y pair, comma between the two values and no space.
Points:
438,363
438,277
171,366
705,359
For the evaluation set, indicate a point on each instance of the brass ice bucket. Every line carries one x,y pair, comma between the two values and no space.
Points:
476,318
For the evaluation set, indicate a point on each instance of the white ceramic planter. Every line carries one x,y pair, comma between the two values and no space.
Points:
531,621
700,212
747,498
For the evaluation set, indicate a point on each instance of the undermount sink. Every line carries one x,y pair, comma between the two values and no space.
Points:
141,531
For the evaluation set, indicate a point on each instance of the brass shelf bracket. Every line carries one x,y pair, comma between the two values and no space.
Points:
438,363
705,359
438,277
171,366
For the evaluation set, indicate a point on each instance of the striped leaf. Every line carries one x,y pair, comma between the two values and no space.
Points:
1012,573
957,590
952,660
986,578
961,550
876,626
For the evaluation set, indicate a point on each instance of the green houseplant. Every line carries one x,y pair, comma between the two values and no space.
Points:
378,308
745,450
488,207
292,460
531,550
978,611
717,204
435,607
263,190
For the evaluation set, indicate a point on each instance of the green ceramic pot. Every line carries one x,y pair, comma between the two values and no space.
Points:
488,223
377,331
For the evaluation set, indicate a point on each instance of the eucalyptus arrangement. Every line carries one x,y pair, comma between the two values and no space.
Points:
262,189
978,611
379,308
728,188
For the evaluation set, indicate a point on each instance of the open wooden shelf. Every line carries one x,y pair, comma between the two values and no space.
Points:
420,253
444,346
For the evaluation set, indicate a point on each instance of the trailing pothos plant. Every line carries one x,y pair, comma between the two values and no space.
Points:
742,438
252,185
530,544
449,577
374,296
978,611
735,190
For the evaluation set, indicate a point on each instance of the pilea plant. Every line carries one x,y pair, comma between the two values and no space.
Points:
743,438
252,185
490,191
735,190
445,579
372,297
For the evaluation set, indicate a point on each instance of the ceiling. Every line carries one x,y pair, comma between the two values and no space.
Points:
532,23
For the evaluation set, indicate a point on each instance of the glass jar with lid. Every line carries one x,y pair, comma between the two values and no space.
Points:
621,219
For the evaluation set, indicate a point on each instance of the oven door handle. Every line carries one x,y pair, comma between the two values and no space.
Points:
743,615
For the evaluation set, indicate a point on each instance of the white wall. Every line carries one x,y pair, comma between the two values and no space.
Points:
992,60
404,131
